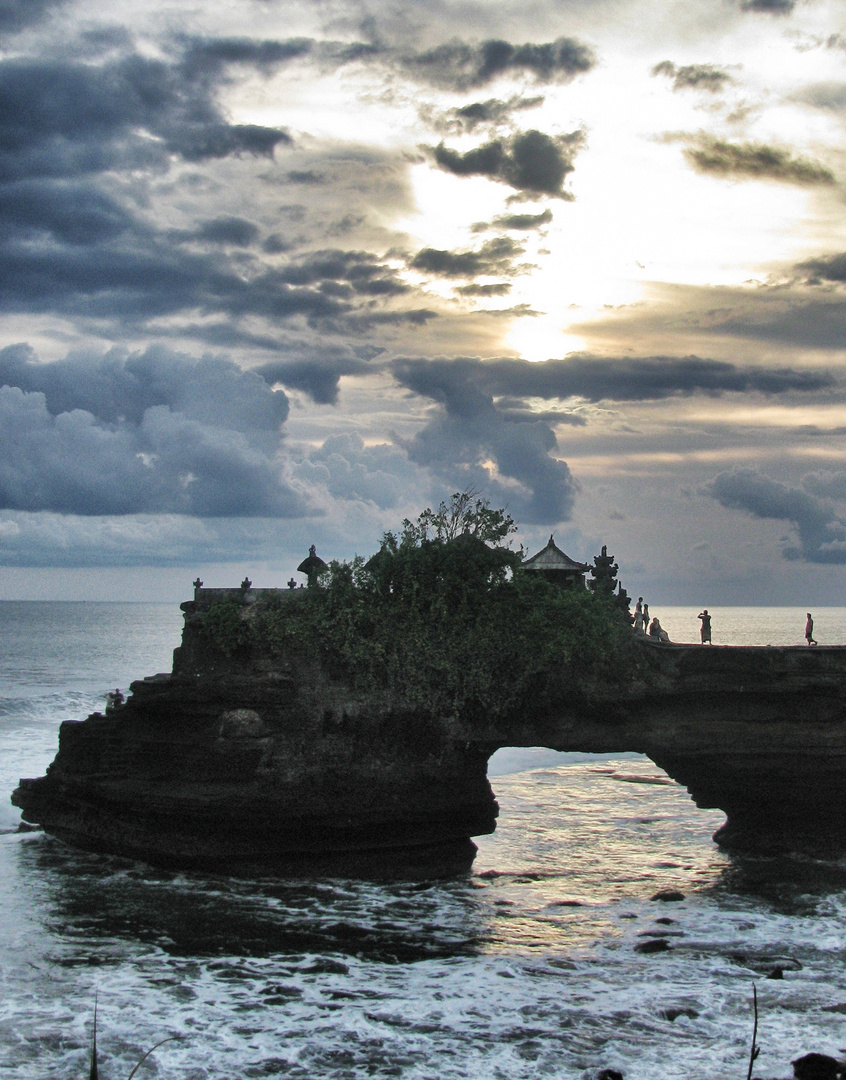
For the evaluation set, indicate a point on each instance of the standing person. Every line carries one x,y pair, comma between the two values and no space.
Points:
638,623
705,629
645,617
114,700
809,630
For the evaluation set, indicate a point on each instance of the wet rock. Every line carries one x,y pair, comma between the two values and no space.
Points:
241,724
817,1067
668,896
326,967
675,1013
232,771
776,973
609,1074
654,945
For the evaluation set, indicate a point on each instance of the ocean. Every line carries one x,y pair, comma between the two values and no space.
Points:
530,966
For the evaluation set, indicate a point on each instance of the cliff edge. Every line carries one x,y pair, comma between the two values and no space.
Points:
249,757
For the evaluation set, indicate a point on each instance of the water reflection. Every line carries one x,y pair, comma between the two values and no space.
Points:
92,899
793,883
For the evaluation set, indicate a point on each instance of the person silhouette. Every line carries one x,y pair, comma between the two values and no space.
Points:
705,628
809,630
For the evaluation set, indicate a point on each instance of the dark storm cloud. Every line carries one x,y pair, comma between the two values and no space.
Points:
694,76
19,14
142,281
473,431
818,522
498,288
344,273
115,387
72,212
827,95
366,319
318,376
61,118
531,161
78,144
829,485
824,268
769,7
459,66
68,248
208,57
598,378
494,257
307,177
151,433
754,161
229,230
523,222
482,421
274,244
222,140
490,112
800,308
517,409
816,324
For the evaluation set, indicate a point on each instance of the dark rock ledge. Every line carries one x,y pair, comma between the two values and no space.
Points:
274,764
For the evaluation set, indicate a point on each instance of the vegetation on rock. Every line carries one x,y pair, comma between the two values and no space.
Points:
443,620
225,628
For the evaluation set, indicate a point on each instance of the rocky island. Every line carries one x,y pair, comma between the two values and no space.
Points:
347,727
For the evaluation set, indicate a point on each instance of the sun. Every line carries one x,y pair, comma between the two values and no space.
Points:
542,338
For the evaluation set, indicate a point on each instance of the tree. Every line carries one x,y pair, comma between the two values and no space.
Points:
466,514
440,623
447,556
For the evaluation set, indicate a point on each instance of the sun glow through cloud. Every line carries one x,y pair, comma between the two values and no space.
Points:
541,339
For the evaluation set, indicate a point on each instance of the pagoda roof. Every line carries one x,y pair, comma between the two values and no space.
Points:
313,564
553,558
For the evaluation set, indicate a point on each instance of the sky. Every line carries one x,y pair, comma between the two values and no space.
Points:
276,273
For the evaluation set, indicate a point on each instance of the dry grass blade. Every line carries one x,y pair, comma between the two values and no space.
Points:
754,1050
95,1075
141,1061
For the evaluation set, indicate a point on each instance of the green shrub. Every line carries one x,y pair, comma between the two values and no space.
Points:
224,625
444,623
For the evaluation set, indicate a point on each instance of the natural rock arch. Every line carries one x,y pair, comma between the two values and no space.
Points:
232,767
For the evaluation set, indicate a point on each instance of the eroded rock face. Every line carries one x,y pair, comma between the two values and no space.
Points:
237,773
258,765
266,762
759,733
